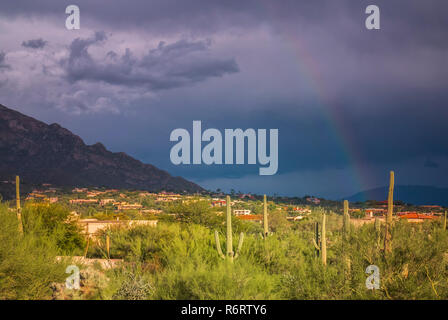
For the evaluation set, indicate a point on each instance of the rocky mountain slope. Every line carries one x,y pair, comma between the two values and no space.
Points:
42,153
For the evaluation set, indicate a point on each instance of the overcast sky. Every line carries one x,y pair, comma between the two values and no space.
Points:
350,103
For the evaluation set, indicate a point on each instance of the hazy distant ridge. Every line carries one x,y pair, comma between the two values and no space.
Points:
419,195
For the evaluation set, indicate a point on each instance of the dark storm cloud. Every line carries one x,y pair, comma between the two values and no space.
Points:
210,15
34,43
165,67
373,97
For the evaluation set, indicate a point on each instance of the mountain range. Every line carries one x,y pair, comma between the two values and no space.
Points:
41,153
417,195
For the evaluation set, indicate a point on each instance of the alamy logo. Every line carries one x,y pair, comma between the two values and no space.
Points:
373,281
73,20
234,140
72,281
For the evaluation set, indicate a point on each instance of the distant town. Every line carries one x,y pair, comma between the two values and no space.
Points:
99,208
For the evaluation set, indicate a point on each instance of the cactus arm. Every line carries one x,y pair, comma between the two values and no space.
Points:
218,245
18,193
108,245
240,245
390,198
444,221
19,209
346,220
323,242
390,209
265,217
229,244
315,245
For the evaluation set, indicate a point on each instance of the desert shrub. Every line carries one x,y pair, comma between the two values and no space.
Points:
188,265
194,270
278,222
223,280
27,262
137,244
53,220
198,212
133,286
417,267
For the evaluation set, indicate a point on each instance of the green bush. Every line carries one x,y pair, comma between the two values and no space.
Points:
53,220
27,262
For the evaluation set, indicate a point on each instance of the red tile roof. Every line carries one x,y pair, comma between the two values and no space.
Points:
416,216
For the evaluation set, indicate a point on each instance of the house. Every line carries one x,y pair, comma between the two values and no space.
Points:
152,211
130,206
93,226
92,194
296,218
301,210
366,220
106,201
240,212
83,201
53,199
375,211
218,203
415,217
145,194
35,194
167,198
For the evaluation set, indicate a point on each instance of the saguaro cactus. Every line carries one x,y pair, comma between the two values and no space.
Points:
265,218
444,221
390,210
108,245
323,243
322,246
346,220
316,239
19,209
230,254
345,240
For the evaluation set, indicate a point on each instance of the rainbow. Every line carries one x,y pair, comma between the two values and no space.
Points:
334,121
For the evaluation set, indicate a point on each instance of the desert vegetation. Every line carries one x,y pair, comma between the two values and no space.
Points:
199,253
